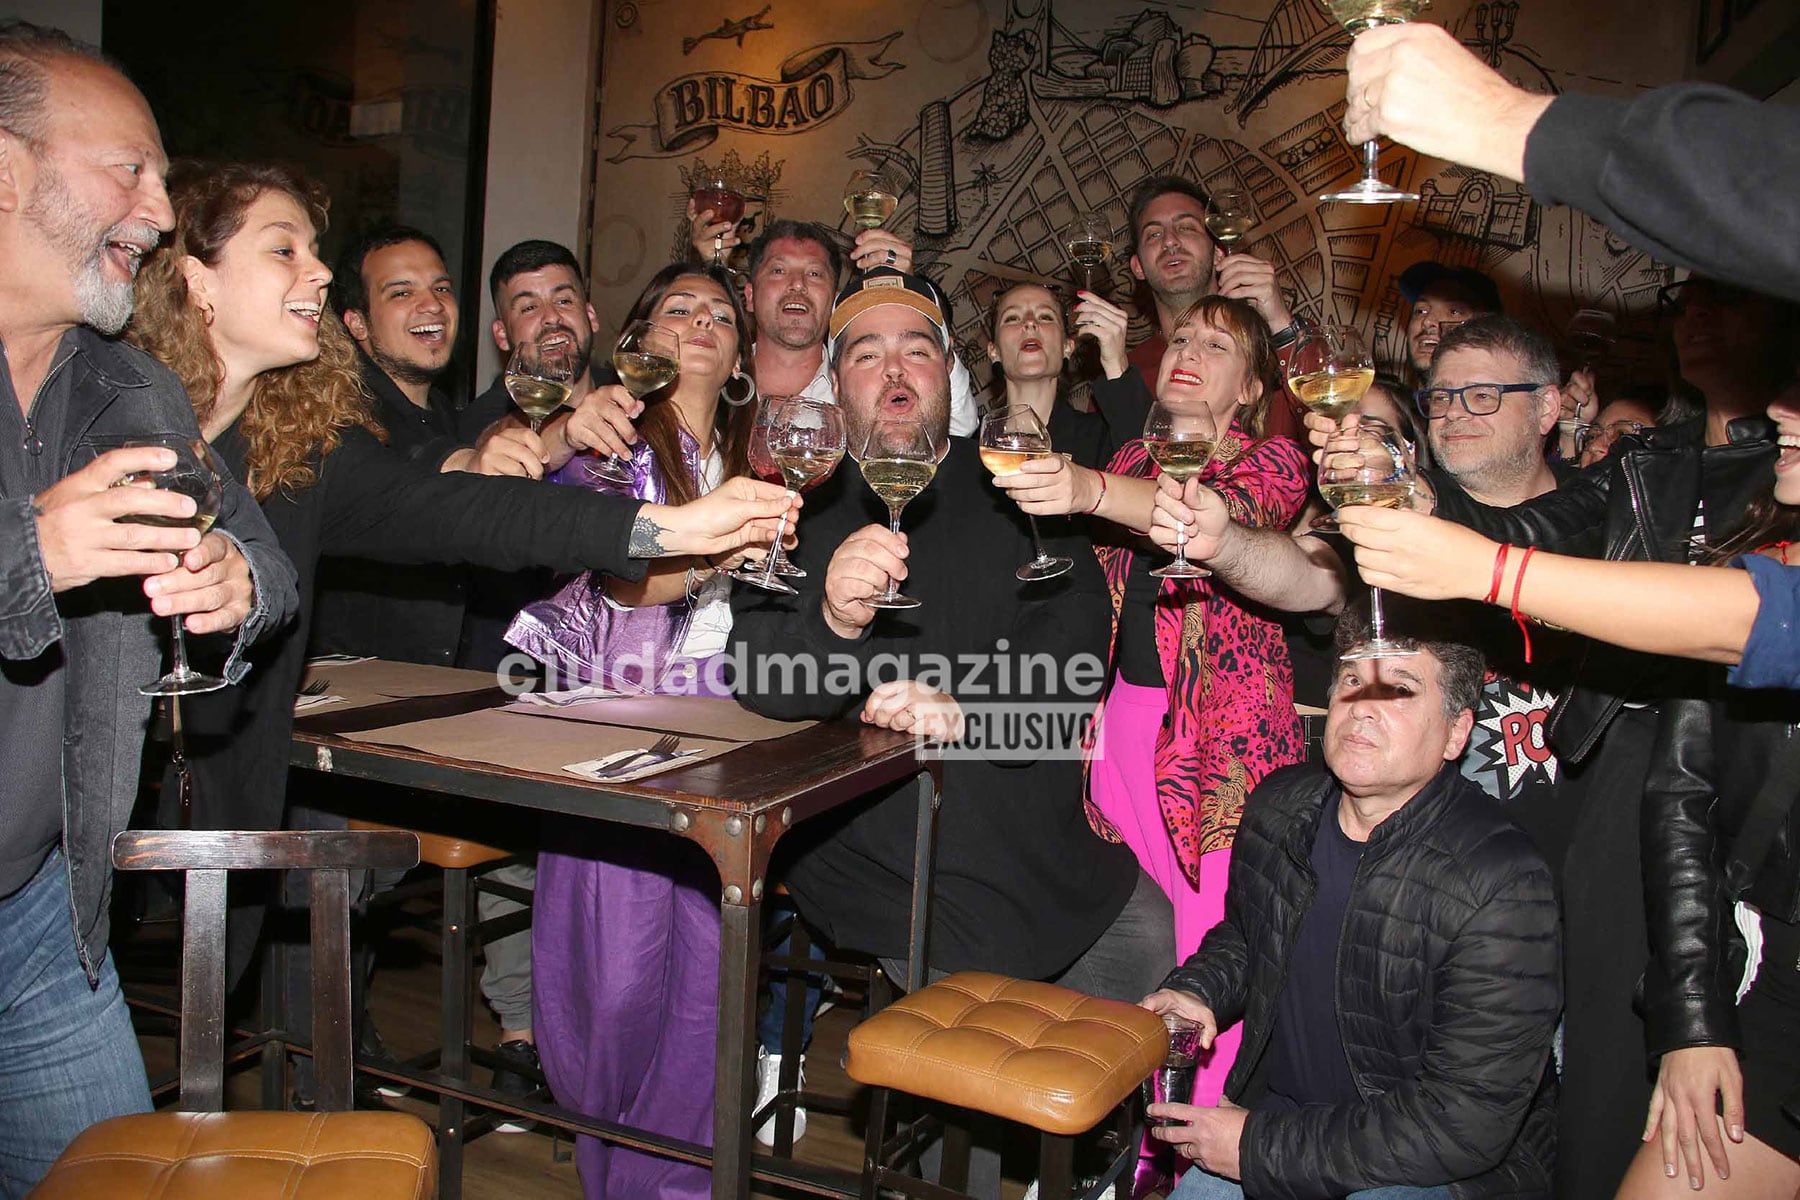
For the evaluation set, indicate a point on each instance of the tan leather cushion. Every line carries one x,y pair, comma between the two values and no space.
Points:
248,1156
437,850
1035,1053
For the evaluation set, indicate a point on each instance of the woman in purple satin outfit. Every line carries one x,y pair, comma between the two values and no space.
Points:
625,936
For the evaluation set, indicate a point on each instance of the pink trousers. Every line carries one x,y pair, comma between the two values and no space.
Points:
1123,779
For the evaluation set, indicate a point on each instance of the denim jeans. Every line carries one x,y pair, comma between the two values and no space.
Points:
1202,1185
68,1056
768,1025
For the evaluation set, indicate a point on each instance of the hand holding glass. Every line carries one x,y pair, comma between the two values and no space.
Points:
898,460
1371,464
1010,438
718,194
804,439
1356,16
1181,439
647,358
199,475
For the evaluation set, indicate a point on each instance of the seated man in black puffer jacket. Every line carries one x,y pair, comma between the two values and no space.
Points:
1390,944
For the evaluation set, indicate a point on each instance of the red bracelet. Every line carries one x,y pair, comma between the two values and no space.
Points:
1499,572
1518,618
1097,499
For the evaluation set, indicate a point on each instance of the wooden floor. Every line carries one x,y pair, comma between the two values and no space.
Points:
404,1002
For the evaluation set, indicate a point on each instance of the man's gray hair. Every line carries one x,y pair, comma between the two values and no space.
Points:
1426,627
1500,334
26,52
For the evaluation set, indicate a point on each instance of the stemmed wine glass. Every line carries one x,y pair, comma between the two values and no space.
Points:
1089,240
1330,369
898,460
1011,437
805,440
764,467
1356,16
539,381
1182,439
717,192
1229,216
647,358
1592,332
197,474
870,198
1374,465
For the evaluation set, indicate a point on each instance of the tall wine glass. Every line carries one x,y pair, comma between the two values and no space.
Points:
1011,437
870,197
898,460
1374,465
647,358
1356,16
1088,238
1330,369
764,467
1592,332
197,474
717,192
539,381
805,440
1182,439
1229,216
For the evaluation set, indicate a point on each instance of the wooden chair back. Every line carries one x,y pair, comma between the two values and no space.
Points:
206,856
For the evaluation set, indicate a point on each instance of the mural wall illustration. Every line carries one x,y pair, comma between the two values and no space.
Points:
1003,118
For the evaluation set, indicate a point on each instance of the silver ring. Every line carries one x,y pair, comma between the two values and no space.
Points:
892,258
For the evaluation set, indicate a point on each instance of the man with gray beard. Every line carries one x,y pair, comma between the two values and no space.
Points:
89,585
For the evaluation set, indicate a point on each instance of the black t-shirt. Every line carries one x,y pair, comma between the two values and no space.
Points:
1306,1050
1137,656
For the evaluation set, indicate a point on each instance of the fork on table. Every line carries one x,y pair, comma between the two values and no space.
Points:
663,749
317,687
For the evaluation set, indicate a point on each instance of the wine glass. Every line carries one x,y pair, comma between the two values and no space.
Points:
1182,439
1011,437
717,192
764,467
805,441
1089,240
1229,216
198,474
870,198
1330,369
647,358
1374,465
1356,16
1592,332
539,381
898,460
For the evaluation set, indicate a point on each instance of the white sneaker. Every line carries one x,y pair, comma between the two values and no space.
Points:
768,1082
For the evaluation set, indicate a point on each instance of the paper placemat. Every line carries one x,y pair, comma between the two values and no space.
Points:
699,716
376,681
502,738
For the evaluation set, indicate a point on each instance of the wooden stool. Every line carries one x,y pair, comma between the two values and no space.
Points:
460,936
200,1151
1033,1053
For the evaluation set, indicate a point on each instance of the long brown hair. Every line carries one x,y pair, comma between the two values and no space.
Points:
295,412
660,426
1247,328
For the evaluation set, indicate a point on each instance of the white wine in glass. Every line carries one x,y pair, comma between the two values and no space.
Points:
1372,464
536,396
870,199
1229,216
1010,438
647,358
1330,369
1356,16
899,460
1181,439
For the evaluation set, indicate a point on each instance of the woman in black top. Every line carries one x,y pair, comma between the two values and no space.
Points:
233,302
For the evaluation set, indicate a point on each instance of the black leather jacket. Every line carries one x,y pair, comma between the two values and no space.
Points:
1638,505
1447,994
1712,757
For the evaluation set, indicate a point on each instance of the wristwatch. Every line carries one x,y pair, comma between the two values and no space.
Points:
1288,336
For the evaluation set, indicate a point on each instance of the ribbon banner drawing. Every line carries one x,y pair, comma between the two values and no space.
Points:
812,87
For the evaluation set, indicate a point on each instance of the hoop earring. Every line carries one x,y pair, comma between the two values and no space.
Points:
738,390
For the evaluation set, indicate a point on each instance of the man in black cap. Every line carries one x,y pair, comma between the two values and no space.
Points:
1438,298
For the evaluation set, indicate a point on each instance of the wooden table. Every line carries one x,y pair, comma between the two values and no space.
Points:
735,806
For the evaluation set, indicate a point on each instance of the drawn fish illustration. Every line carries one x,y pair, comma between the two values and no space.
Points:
729,30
